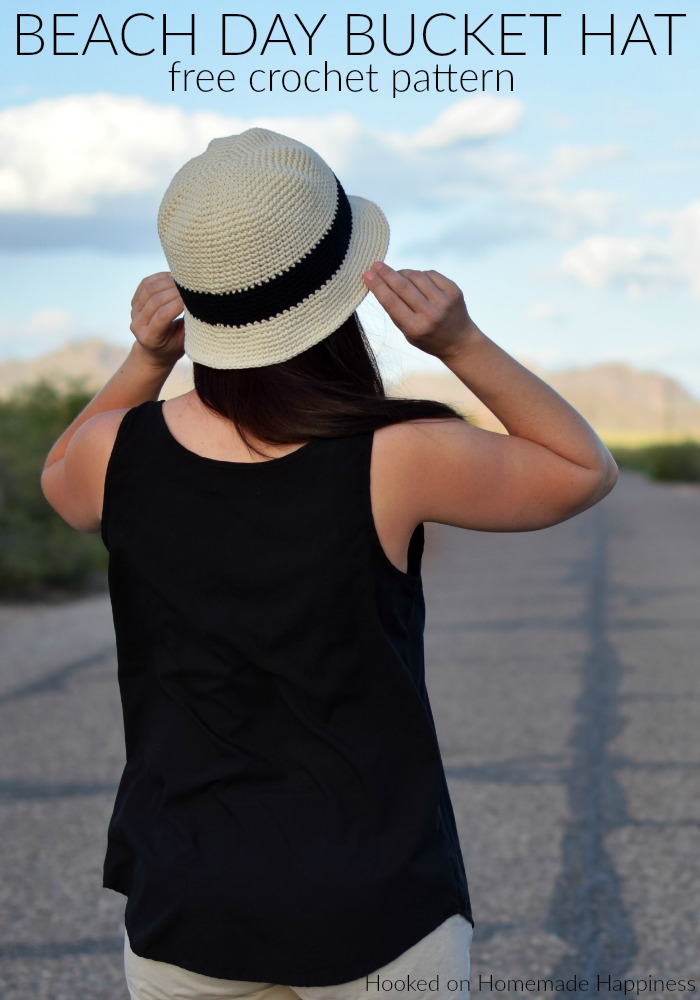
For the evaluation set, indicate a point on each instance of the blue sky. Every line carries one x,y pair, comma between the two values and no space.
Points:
567,210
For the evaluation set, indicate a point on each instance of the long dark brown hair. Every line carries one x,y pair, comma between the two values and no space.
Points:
333,389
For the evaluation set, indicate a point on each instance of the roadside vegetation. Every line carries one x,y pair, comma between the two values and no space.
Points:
662,461
41,557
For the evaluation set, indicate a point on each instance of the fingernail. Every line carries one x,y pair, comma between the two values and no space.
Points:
369,276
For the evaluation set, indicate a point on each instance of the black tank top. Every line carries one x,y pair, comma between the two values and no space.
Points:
283,815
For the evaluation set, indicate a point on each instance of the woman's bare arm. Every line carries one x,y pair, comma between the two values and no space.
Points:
550,466
73,477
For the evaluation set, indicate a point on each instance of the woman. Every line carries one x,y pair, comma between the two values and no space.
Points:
283,826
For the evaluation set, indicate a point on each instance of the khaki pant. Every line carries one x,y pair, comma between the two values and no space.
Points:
440,960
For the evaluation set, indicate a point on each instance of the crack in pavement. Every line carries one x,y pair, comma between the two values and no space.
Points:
587,909
19,790
58,678
59,949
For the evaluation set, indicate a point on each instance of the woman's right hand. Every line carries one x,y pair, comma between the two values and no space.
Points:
155,309
427,307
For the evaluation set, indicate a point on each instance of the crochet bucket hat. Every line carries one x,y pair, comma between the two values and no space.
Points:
266,249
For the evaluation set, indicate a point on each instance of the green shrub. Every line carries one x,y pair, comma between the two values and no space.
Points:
671,463
40,555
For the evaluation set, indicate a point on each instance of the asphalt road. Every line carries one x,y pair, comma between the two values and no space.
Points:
563,669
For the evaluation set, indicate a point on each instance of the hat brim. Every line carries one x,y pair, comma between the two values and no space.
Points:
300,327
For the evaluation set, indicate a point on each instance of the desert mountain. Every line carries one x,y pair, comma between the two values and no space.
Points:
617,399
91,361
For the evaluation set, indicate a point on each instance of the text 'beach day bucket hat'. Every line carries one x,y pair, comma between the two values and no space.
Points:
266,249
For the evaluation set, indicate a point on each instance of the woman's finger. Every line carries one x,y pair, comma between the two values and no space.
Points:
139,301
440,281
401,314
401,284
164,317
162,328
146,282
425,284
154,302
151,284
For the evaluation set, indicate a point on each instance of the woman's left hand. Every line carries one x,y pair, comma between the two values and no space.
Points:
155,309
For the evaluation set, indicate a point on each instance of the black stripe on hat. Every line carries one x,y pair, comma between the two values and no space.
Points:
285,290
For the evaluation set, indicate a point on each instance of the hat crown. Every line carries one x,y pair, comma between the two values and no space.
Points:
266,249
244,211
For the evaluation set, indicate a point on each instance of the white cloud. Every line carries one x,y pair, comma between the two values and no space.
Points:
50,321
687,142
66,156
645,263
484,117
500,198
563,213
567,213
42,330
89,170
545,311
62,156
601,260
558,122
567,160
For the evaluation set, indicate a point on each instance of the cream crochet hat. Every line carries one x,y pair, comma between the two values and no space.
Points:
266,249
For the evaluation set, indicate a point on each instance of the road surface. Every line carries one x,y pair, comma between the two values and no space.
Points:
563,669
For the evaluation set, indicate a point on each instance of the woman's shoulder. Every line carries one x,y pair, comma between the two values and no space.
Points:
401,456
73,485
94,441
99,432
408,443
